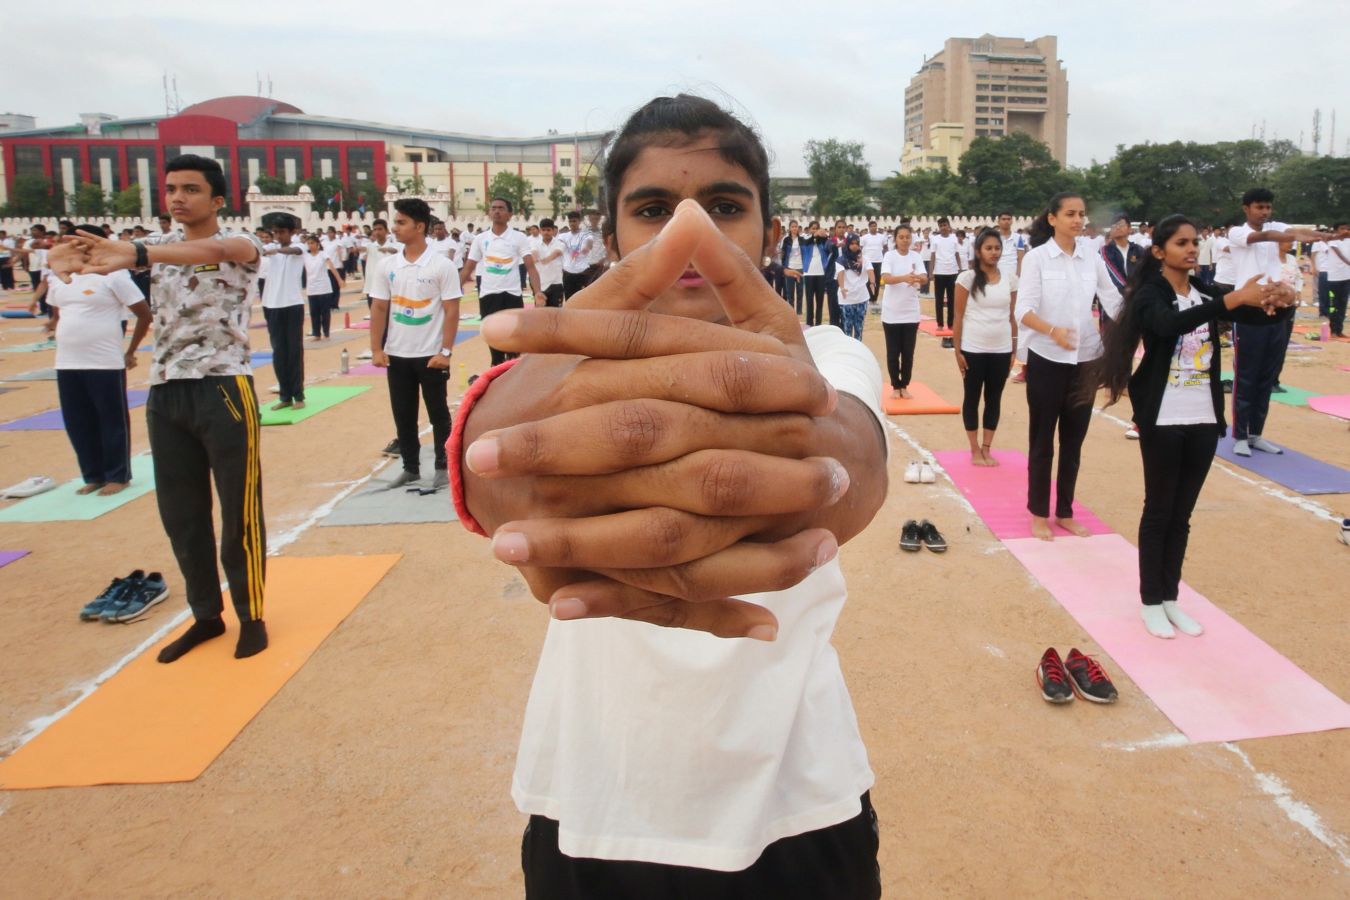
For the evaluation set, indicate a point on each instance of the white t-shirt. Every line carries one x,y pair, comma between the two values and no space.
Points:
576,250
1206,257
264,264
855,286
416,291
900,302
378,253
987,324
1335,267
1187,399
873,246
1262,258
794,260
670,746
1223,261
317,281
1012,245
551,272
89,329
945,249
445,246
1059,287
7,246
499,258
598,251
283,284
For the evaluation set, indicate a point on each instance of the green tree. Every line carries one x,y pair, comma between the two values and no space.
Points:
324,190
88,200
1014,172
274,186
836,166
516,188
127,202
414,185
32,195
927,192
585,191
1312,189
557,195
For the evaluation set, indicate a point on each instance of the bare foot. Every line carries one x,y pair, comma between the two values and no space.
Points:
906,395
989,457
895,394
89,488
1040,529
976,458
112,487
299,404
1073,527
283,404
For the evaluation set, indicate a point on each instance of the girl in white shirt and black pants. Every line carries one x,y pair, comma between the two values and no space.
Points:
1060,277
1177,396
985,337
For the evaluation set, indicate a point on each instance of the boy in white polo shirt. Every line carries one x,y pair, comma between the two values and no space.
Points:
548,254
415,294
501,250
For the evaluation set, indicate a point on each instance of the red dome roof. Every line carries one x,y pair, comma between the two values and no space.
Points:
239,109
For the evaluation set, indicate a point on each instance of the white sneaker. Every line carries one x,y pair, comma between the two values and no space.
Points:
1259,443
1345,532
1241,448
912,472
364,354
1155,620
276,389
926,473
1184,623
1131,433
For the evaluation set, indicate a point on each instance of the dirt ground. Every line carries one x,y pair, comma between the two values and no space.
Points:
383,767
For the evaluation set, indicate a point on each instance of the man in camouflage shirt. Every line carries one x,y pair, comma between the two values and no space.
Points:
202,413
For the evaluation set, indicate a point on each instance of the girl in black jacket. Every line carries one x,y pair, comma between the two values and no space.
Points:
1177,397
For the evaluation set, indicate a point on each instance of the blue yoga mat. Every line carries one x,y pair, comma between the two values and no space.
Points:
1290,469
52,420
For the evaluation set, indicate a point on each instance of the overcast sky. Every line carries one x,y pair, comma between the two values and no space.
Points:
1138,71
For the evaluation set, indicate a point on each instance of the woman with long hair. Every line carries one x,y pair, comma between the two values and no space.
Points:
1060,277
1177,396
985,336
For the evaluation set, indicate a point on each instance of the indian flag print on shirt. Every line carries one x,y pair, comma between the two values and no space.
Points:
498,265
408,311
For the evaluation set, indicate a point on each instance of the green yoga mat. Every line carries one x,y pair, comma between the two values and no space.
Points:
62,504
317,399
29,348
1292,396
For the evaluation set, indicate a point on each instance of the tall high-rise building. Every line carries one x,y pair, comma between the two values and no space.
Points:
985,87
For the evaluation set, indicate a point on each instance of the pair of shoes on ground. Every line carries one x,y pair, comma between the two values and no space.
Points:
127,599
948,344
1164,620
1255,442
365,354
29,487
916,535
919,471
413,484
1079,675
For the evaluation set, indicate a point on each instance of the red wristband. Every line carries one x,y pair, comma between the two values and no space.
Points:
454,448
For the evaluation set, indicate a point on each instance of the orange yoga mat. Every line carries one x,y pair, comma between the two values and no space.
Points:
930,326
925,402
153,723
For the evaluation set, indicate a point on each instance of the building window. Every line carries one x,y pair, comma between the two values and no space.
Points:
538,190
566,182
982,132
565,162
982,98
998,87
470,190
980,109
981,121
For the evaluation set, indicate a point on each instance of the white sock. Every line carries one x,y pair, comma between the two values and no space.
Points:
1155,620
1185,624
1259,443
1241,448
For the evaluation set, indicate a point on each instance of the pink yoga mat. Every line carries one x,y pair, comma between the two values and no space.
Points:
366,369
364,326
1332,404
999,493
1226,685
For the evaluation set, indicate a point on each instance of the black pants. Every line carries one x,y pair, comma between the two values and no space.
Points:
573,282
900,340
793,291
944,293
286,329
832,300
838,862
1338,294
407,377
94,407
986,373
491,303
874,289
1053,401
553,295
815,297
320,314
1176,461
204,429
1258,357
7,276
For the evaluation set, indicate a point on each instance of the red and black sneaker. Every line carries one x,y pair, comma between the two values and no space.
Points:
1052,678
1089,679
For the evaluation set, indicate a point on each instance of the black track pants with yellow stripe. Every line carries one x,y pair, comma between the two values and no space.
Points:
203,430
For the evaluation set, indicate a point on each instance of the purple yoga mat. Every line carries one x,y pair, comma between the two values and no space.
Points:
1290,469
51,420
8,556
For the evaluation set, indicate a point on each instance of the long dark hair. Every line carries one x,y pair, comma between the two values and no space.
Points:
980,280
1123,334
1040,229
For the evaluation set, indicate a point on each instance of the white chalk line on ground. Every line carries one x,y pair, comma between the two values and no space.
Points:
1298,812
274,548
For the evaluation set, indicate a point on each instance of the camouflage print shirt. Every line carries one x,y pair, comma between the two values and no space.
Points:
201,315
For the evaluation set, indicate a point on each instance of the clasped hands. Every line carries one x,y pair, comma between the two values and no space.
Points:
650,466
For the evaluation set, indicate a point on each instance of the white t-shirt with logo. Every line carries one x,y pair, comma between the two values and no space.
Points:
576,250
1187,398
987,324
89,329
416,290
551,272
945,249
1262,258
499,258
900,302
873,246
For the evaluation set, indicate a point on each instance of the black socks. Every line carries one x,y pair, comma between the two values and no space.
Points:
252,639
198,633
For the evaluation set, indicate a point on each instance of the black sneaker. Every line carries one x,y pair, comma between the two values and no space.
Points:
112,594
137,597
1089,679
910,538
1053,680
1279,389
931,537
391,448
948,344
1227,385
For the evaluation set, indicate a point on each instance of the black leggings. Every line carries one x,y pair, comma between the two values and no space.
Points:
985,373
1053,402
815,298
1176,460
900,351
793,292
944,293
320,314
